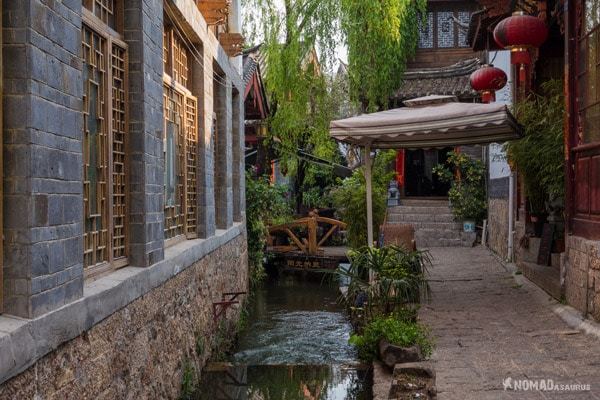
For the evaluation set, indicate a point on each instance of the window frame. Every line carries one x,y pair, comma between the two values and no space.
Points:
111,38
584,156
189,205
435,10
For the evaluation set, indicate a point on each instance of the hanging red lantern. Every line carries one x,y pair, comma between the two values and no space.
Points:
487,80
519,33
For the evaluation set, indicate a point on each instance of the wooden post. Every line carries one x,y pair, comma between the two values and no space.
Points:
368,179
312,234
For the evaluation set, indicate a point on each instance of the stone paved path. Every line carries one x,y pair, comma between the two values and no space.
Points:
488,328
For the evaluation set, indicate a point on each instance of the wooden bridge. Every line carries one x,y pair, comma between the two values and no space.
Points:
306,238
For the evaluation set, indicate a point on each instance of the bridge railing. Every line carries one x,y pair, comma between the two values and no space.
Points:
310,243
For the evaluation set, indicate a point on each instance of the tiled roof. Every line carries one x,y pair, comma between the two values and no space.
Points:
250,63
449,80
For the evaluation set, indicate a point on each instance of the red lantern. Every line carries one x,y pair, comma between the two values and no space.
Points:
519,33
487,80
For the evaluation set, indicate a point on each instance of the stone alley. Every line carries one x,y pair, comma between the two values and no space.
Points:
489,326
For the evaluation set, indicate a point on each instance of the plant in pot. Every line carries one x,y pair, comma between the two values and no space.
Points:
467,188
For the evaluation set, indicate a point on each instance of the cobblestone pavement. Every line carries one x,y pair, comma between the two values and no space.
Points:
488,328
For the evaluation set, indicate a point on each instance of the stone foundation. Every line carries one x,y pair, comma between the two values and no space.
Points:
139,352
581,272
497,238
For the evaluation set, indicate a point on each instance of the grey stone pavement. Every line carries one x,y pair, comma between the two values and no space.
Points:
488,328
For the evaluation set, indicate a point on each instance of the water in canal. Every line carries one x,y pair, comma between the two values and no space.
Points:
295,347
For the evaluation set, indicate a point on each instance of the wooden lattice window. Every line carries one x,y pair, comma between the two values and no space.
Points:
104,147
108,12
176,57
180,141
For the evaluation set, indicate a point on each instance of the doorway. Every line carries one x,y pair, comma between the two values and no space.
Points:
420,179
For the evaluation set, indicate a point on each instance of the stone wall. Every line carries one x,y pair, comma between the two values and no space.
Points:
140,351
497,239
581,273
43,126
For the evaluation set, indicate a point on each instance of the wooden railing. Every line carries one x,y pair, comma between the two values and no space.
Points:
309,244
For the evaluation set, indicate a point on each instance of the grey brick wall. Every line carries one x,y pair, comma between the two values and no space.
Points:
42,138
223,163
43,199
206,194
143,33
238,155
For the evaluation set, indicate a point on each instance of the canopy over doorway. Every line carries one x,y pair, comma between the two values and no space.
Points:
425,122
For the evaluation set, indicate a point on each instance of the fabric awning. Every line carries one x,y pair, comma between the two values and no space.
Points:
429,122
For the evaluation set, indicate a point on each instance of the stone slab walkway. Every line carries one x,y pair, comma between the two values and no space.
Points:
488,328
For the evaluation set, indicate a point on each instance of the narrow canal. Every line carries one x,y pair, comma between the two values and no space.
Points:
295,347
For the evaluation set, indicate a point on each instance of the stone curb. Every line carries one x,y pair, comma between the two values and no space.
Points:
575,320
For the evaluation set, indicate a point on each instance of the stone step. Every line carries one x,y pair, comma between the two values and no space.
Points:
427,234
398,218
453,226
424,202
418,210
424,243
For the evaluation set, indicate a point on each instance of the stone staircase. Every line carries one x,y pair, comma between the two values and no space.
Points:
433,222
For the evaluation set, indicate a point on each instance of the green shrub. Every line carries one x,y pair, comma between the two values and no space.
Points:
350,199
539,155
265,204
396,331
467,191
399,277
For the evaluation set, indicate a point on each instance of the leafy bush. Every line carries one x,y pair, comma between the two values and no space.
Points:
350,199
539,155
398,278
467,191
265,204
396,331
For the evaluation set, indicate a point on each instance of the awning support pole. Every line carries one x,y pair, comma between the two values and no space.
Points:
368,179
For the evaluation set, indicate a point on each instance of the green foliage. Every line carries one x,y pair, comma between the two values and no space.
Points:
200,345
188,380
381,36
396,331
300,40
350,199
398,278
298,90
264,204
539,155
467,192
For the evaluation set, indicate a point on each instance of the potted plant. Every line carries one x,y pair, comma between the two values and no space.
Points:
467,188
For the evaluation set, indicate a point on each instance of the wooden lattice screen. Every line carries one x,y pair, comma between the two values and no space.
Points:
104,140
174,152
192,165
104,10
95,149
180,140
119,136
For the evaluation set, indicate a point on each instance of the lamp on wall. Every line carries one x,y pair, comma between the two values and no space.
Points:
487,80
519,33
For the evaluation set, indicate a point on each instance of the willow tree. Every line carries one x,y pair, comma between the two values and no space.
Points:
300,38
381,36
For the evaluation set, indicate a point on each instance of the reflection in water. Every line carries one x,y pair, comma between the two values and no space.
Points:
295,347
287,382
